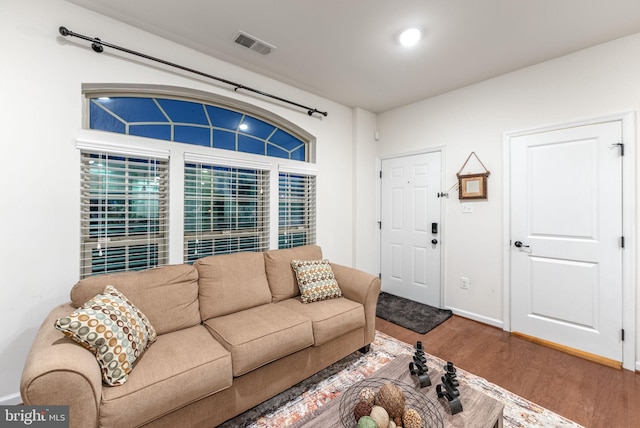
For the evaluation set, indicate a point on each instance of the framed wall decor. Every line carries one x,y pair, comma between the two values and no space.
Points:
473,186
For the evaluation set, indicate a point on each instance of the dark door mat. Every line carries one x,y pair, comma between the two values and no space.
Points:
409,314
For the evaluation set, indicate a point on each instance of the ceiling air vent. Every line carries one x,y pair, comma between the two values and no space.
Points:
253,43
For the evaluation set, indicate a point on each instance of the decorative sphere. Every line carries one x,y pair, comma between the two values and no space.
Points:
367,422
362,409
380,415
411,419
367,394
391,397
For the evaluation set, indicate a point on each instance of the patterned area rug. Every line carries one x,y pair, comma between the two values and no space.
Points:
301,401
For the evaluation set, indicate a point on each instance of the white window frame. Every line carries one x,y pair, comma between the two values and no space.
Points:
127,145
177,152
263,201
105,244
309,223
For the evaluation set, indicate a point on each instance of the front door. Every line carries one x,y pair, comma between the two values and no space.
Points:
566,238
410,227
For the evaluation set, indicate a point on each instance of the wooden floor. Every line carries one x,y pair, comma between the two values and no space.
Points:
587,393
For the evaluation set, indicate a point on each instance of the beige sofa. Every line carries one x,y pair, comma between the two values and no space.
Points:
232,332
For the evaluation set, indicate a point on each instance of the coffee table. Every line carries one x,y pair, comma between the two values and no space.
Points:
479,409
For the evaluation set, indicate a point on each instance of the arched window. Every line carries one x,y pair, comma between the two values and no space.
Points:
227,199
195,123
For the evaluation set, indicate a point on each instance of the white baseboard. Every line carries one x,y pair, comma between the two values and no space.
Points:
638,366
11,399
485,320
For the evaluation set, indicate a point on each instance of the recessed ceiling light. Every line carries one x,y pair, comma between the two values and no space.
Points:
410,36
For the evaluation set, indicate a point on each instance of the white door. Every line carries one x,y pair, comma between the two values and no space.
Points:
410,227
566,238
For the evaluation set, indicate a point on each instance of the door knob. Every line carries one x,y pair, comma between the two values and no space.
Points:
519,244
434,241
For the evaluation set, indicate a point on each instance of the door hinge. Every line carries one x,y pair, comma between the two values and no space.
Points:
622,335
380,225
380,275
621,145
622,242
380,173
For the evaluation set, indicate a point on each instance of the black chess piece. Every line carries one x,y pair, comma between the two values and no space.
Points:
449,388
419,367
420,353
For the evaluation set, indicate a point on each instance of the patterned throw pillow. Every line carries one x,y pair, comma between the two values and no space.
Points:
111,327
315,280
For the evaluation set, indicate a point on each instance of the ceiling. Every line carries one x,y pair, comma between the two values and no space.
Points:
346,50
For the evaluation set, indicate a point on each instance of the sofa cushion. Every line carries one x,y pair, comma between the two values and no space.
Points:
167,295
111,327
180,368
315,280
282,279
232,282
260,335
329,318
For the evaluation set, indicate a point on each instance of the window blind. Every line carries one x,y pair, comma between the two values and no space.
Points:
226,210
124,212
296,209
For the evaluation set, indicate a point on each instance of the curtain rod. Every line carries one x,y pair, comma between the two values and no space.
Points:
98,46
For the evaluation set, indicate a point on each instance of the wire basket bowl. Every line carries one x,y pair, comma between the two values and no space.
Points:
429,413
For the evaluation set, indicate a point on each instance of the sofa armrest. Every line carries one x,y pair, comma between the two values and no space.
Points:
60,372
363,288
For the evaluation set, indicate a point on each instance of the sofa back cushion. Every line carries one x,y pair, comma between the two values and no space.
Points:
282,278
232,282
167,295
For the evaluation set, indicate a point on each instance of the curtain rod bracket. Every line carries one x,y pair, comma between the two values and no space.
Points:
98,46
312,111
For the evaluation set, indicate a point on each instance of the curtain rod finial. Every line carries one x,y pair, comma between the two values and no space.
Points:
63,31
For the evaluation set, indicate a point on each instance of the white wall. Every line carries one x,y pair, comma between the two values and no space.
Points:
365,176
40,114
596,82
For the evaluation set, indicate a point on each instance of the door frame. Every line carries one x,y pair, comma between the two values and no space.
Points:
442,239
628,225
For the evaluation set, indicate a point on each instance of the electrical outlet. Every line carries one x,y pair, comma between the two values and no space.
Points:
467,208
464,282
